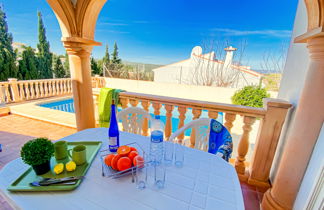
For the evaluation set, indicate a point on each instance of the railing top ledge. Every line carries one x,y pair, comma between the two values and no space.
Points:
228,108
275,102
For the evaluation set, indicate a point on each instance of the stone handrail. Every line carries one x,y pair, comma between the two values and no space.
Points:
272,117
23,90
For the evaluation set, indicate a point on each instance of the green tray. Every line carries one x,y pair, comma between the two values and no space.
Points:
22,183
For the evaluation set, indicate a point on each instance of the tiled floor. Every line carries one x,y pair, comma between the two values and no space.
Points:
16,130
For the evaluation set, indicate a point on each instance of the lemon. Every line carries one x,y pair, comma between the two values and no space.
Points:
70,166
59,168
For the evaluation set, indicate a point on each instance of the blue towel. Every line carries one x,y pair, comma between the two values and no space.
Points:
220,140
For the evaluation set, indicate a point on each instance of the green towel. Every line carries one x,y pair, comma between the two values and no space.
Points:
105,99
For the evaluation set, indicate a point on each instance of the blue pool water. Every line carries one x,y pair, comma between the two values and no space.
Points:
67,105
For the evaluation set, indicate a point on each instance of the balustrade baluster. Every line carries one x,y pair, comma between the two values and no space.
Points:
32,90
145,105
37,89
156,106
243,145
61,87
65,86
50,88
2,96
124,102
196,114
57,82
27,90
71,87
168,125
182,116
54,88
22,91
7,93
46,89
41,88
133,102
229,119
212,114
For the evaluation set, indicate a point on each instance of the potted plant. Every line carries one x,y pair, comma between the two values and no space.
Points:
38,153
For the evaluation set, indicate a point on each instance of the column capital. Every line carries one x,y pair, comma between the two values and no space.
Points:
316,48
79,46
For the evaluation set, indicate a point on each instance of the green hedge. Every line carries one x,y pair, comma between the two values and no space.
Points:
250,96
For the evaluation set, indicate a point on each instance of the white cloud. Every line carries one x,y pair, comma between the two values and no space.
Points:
273,33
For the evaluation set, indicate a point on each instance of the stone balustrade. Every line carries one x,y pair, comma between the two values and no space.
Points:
272,117
15,90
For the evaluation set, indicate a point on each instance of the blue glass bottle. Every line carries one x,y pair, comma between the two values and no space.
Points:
113,132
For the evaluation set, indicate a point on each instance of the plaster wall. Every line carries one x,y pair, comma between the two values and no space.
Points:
293,78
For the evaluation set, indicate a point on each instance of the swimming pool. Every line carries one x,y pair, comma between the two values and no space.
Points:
67,105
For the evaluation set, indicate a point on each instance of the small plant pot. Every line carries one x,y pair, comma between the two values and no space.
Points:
42,168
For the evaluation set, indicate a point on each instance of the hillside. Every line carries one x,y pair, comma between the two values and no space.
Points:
142,66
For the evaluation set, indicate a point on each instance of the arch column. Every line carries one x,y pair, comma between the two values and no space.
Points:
308,120
79,59
77,19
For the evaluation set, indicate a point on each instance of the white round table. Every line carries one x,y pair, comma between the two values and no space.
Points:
205,182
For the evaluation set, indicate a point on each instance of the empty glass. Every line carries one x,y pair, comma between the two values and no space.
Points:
168,153
159,176
141,173
179,155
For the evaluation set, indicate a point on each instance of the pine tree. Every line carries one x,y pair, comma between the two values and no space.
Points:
27,68
44,55
106,58
58,68
115,59
67,66
8,66
94,66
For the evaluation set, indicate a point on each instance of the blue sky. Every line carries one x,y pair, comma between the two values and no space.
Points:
165,31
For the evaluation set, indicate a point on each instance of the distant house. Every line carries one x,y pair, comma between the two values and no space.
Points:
205,69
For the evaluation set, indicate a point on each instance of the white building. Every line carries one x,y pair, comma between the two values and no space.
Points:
205,69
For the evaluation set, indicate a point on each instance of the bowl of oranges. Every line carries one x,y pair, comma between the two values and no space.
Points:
122,162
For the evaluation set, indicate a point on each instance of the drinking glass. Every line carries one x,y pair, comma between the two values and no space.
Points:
141,173
168,153
159,176
179,155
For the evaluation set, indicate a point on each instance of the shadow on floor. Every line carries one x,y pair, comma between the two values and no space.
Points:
11,144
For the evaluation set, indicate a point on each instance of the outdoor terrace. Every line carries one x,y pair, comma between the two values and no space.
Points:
20,97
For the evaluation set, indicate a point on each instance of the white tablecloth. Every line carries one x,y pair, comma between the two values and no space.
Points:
205,182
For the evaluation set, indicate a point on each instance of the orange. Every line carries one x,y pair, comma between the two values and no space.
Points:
114,161
124,163
123,150
134,160
108,159
132,154
133,149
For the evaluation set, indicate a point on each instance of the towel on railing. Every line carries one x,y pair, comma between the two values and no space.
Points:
220,140
105,99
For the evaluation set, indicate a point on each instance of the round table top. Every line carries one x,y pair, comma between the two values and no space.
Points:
204,182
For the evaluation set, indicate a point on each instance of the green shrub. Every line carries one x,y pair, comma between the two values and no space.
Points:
37,151
250,96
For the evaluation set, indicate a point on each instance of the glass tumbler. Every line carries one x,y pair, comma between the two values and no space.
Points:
168,153
179,155
159,176
141,173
